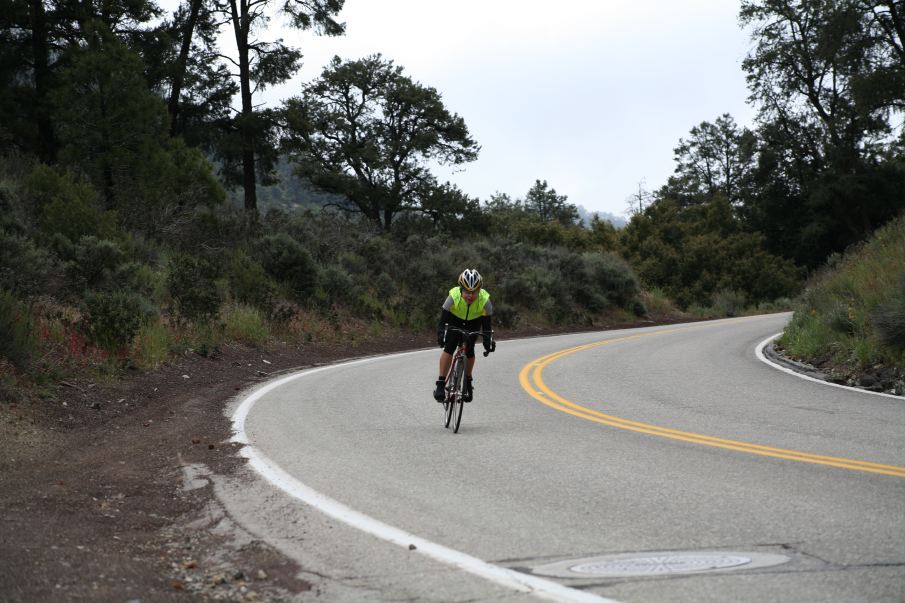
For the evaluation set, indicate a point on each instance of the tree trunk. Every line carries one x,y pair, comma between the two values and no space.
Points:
41,57
246,130
182,61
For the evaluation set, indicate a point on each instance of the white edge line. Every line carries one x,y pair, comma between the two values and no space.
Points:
759,351
505,577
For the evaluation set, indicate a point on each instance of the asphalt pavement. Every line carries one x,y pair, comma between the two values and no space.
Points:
657,464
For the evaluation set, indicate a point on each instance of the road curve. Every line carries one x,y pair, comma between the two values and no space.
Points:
656,443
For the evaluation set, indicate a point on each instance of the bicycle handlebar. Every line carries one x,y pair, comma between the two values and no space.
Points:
467,334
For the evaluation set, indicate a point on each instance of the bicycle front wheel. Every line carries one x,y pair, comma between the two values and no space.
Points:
454,389
457,403
460,404
446,405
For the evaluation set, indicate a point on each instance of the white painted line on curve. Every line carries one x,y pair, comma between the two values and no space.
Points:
502,576
759,351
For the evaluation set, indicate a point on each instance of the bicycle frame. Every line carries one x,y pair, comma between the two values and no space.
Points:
455,377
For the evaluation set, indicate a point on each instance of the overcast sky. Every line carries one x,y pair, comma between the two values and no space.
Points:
591,96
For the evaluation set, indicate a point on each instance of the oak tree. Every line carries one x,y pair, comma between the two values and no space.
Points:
368,132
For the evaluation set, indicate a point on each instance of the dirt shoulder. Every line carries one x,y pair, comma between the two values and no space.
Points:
98,499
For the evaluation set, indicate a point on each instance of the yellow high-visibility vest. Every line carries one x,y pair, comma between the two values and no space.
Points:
461,309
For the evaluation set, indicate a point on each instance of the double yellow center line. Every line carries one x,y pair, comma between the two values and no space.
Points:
531,379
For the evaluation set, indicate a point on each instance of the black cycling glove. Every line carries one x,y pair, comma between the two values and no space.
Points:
489,343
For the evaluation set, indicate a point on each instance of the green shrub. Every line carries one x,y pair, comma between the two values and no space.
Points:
17,341
840,318
113,318
74,219
889,324
780,304
245,325
284,312
808,337
207,227
384,286
853,310
611,278
505,315
377,253
353,263
336,285
13,215
93,263
658,303
67,206
152,345
190,176
700,311
207,338
148,281
728,302
289,263
193,287
637,307
28,269
250,284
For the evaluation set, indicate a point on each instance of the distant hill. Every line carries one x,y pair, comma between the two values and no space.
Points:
617,221
293,192
289,192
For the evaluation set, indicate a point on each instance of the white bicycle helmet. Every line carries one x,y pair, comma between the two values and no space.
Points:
470,279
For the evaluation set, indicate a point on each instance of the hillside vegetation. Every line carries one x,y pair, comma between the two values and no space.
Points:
81,291
152,204
850,320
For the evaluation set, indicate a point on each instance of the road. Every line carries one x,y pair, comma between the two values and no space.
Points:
718,476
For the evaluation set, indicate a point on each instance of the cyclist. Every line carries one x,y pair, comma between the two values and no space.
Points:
468,307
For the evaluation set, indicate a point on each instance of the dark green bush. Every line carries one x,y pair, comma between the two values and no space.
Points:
288,262
839,318
143,279
353,263
283,312
94,263
28,269
13,219
193,287
250,284
505,315
337,285
378,253
207,227
75,218
888,319
612,278
113,318
384,285
67,206
728,302
17,341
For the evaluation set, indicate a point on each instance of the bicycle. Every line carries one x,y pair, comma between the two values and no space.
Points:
455,378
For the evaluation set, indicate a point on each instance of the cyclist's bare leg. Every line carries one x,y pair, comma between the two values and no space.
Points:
469,366
445,361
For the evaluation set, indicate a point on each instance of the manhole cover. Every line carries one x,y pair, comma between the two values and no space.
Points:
658,564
